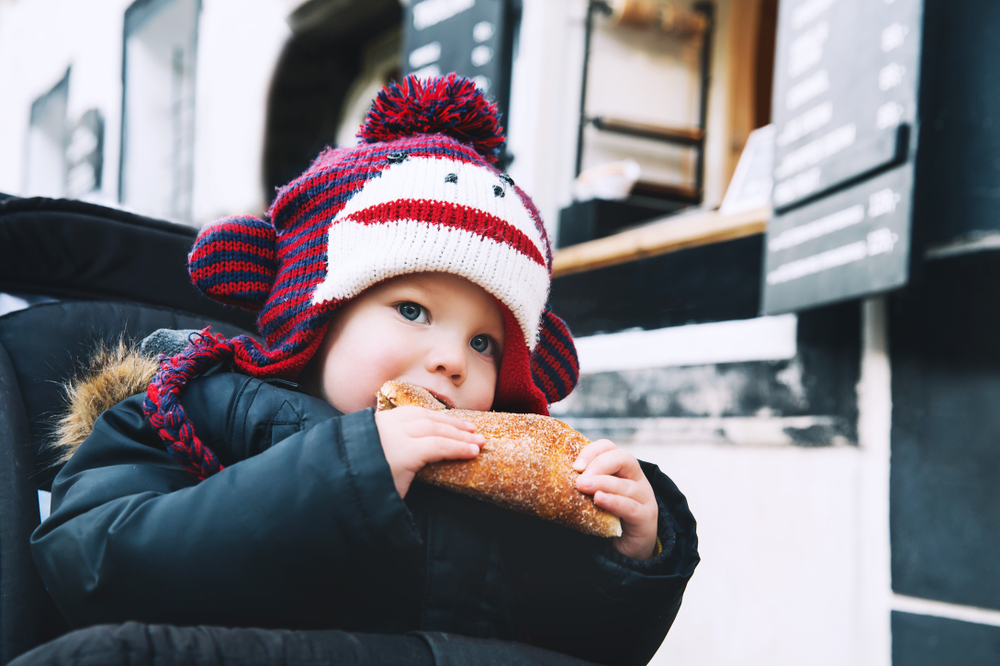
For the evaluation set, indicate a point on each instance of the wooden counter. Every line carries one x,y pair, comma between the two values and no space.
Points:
669,235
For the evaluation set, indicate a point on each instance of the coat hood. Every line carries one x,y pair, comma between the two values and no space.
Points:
114,372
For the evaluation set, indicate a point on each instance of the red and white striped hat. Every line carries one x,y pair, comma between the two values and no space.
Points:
419,194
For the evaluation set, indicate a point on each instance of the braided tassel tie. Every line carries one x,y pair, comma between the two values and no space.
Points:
163,408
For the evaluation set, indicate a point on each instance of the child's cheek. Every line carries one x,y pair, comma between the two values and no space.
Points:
481,385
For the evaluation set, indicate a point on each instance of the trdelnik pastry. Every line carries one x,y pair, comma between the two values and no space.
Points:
526,464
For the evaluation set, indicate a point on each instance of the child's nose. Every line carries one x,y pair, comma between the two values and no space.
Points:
448,359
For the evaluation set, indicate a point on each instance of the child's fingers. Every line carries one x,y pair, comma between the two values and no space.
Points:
590,452
414,413
441,417
434,449
432,428
591,484
614,463
626,508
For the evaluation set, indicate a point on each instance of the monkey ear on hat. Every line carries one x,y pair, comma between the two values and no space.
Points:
234,261
555,367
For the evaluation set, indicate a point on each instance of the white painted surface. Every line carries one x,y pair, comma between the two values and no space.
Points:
544,104
942,609
778,581
46,153
157,161
794,541
874,585
239,42
760,339
39,39
44,504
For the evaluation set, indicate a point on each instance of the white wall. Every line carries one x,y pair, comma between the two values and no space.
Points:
239,42
157,162
794,541
39,39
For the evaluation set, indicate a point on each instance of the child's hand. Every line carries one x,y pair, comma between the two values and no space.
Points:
618,485
414,436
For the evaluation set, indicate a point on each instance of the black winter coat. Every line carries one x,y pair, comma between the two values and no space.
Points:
304,529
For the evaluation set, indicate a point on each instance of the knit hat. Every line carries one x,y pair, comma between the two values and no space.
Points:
419,194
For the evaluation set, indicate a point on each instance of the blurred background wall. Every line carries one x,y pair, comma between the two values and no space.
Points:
779,429
221,101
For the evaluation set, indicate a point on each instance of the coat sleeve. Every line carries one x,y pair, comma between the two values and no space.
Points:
577,595
286,537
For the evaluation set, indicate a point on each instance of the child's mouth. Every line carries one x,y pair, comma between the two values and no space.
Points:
442,399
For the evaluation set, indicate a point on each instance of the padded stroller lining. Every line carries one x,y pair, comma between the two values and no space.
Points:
14,302
74,249
131,644
40,347
50,342
132,271
24,605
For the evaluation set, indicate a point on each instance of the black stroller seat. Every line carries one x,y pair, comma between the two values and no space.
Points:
74,275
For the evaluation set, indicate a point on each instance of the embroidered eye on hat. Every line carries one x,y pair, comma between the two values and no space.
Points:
420,193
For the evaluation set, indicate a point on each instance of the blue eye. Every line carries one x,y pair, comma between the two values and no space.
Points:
412,312
481,344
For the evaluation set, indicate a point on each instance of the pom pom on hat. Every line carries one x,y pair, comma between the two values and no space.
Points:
451,105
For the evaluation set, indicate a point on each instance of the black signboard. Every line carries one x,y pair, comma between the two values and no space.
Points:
845,111
845,81
855,241
473,38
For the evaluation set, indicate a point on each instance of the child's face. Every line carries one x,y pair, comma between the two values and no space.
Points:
435,330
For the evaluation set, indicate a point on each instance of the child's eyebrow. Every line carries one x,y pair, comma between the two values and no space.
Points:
412,291
407,283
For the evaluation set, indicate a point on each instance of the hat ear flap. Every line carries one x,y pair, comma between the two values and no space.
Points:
554,363
234,261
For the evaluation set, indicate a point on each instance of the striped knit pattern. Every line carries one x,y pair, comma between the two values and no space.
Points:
163,408
234,262
417,196
554,364
440,214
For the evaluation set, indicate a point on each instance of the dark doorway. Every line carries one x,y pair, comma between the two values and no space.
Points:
340,51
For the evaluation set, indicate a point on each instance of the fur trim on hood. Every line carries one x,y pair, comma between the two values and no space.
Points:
113,373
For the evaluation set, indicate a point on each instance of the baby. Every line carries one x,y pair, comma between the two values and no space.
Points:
229,496
446,334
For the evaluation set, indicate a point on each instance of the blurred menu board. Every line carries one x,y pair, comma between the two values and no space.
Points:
845,109
471,37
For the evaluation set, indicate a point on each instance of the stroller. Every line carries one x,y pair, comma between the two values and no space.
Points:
73,275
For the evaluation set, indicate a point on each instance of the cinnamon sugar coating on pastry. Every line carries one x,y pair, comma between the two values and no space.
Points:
403,394
526,464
